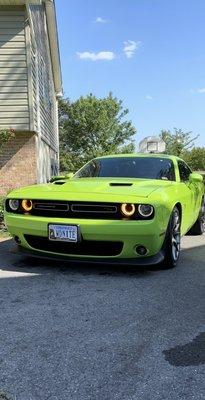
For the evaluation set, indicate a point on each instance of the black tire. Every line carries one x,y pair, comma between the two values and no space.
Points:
172,244
199,227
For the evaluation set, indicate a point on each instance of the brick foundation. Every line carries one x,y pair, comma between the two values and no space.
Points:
18,162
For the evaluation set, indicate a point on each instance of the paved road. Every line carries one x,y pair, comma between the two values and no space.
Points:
100,333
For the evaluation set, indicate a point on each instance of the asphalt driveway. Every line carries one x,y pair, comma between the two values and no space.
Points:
71,332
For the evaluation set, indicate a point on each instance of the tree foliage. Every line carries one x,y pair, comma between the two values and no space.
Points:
195,158
178,142
181,144
91,127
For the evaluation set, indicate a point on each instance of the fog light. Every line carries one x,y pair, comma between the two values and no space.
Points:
14,204
127,209
27,205
141,250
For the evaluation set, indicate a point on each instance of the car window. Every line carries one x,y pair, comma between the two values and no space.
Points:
129,167
184,171
88,171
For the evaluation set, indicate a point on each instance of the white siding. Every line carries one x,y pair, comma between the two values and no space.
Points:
44,99
17,2
14,108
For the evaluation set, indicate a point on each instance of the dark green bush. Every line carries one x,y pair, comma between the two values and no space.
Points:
1,207
1,212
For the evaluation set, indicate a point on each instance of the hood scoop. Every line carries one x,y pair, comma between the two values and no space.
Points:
120,184
59,182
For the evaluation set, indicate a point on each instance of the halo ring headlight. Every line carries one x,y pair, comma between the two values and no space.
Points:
128,209
27,205
13,204
145,210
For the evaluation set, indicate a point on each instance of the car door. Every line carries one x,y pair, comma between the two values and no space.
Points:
189,195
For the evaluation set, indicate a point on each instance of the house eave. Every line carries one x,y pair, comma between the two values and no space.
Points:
54,44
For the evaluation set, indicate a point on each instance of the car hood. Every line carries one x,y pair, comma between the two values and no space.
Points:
93,188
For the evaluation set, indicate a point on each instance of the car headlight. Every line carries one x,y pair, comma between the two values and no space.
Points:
14,204
128,209
145,210
27,205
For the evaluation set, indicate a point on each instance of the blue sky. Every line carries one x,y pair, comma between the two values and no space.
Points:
149,53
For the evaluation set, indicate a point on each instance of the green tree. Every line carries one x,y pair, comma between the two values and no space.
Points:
178,141
195,158
91,127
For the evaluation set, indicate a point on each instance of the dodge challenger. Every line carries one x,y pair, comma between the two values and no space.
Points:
130,209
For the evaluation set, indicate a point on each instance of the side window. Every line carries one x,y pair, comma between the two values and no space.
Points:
167,171
90,171
184,171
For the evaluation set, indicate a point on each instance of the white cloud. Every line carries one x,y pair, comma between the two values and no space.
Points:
101,55
148,97
130,47
101,20
201,90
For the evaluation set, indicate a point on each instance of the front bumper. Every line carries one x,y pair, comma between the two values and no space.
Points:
132,233
139,261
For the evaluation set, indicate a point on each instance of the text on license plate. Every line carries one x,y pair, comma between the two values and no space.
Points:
65,233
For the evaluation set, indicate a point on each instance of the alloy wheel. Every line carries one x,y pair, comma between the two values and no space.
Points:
175,236
203,216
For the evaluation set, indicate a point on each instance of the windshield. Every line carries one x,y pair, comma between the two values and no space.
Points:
129,167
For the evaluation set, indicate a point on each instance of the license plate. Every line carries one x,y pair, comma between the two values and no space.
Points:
63,233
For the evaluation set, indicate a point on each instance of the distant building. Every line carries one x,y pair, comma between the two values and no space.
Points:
152,144
30,84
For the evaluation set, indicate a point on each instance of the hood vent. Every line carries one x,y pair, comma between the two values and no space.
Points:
59,183
121,184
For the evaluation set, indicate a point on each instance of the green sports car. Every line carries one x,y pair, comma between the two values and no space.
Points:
130,209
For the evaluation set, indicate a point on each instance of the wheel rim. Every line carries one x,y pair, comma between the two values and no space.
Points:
176,237
203,224
203,216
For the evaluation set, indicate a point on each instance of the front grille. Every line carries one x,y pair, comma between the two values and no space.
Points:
87,210
94,208
50,206
84,248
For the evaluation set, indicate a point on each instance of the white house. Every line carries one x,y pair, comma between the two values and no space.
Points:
30,85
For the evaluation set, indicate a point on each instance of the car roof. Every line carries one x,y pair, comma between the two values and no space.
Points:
140,155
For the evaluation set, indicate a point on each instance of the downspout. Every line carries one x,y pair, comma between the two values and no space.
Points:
55,56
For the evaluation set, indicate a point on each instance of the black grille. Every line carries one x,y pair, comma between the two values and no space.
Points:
94,208
87,210
50,206
84,248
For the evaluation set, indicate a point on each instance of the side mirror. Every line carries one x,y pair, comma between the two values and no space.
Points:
194,177
69,176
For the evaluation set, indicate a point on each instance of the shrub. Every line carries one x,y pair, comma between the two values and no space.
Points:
1,209
5,136
2,225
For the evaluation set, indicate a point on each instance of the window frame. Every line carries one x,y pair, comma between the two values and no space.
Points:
187,167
